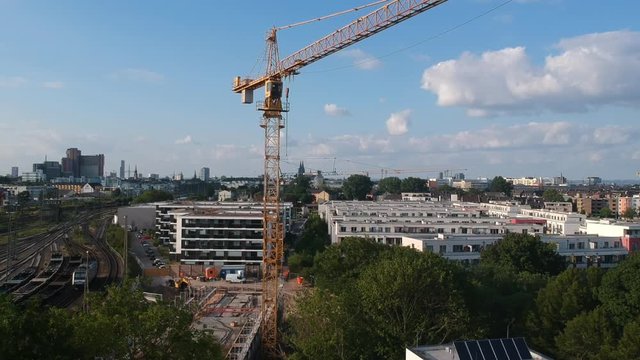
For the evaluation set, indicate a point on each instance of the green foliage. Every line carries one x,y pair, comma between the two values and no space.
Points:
413,184
408,298
153,196
566,296
391,185
372,301
588,336
356,187
118,325
298,190
630,213
552,195
620,291
605,213
500,184
502,298
523,253
23,198
315,236
298,262
629,344
339,265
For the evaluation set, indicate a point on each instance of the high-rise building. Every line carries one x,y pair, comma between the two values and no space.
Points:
14,171
51,169
121,169
77,165
71,163
92,166
205,174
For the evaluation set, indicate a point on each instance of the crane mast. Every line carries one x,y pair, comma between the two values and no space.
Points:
272,121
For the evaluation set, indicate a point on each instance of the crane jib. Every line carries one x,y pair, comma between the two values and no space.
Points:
359,29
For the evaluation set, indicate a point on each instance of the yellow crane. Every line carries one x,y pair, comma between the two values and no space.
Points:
391,13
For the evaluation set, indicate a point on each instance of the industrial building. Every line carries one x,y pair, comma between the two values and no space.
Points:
214,233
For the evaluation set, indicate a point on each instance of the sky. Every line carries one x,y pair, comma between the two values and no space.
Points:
485,87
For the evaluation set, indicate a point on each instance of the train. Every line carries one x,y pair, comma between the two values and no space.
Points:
84,272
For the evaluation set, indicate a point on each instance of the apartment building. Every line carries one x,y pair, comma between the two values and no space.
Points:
214,233
627,232
579,251
388,221
557,222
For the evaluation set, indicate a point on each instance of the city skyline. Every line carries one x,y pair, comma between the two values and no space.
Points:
532,88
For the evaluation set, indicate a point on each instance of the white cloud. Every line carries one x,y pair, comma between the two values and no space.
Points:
611,135
335,111
12,81
362,60
140,75
186,140
398,123
53,85
590,70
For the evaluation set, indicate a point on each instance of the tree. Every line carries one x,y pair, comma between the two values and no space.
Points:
630,213
24,197
620,291
629,344
397,297
587,336
122,324
410,297
153,196
523,253
606,213
357,187
413,184
315,236
500,184
552,195
339,265
298,190
571,293
389,185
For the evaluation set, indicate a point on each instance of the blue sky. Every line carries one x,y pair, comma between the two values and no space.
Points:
534,88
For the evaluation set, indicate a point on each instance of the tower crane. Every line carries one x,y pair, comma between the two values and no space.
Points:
272,108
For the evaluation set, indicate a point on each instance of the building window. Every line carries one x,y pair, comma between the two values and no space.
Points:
580,245
458,248
572,246
429,248
443,249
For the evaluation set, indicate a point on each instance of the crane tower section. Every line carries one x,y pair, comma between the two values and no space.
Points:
272,107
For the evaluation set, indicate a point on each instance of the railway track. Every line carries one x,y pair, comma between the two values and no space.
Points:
52,279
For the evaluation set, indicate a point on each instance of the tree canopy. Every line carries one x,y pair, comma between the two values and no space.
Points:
523,253
552,195
413,184
357,187
500,184
391,185
153,196
120,324
371,301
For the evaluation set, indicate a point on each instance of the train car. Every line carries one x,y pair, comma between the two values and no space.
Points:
84,273
56,257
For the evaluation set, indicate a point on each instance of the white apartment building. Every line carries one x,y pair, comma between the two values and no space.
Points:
388,221
557,222
213,233
579,251
627,232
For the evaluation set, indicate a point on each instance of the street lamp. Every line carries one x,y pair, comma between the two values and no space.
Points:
86,286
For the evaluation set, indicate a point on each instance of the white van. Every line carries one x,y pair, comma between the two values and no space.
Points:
237,277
